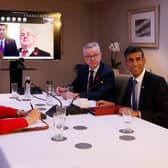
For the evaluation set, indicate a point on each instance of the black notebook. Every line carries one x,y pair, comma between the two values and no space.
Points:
70,110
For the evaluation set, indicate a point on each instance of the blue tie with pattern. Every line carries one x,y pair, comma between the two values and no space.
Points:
134,98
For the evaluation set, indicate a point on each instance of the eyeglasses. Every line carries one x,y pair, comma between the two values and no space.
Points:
137,59
91,56
26,34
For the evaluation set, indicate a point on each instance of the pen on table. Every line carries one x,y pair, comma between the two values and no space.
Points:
43,116
31,106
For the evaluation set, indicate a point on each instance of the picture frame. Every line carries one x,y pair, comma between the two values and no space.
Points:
144,27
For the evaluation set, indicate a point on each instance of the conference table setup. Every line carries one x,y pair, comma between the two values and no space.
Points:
90,141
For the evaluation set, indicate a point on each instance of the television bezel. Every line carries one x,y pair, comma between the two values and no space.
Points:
34,18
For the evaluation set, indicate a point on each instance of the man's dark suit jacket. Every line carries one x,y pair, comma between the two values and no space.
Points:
103,87
10,48
153,102
37,52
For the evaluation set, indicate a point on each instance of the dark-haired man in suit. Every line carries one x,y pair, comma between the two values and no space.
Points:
27,39
7,45
94,80
149,100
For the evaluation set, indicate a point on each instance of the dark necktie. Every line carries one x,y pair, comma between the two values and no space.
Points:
134,96
91,80
1,47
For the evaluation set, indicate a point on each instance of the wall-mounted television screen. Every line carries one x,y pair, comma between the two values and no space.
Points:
30,35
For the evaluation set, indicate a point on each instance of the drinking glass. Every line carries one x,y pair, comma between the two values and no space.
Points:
14,88
53,90
127,117
59,124
27,89
49,100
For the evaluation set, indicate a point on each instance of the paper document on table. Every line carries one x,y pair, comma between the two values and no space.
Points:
40,125
89,103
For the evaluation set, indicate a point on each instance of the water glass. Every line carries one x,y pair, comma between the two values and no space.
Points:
59,124
127,117
49,92
14,88
27,89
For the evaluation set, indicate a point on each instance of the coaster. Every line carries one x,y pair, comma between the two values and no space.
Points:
41,108
39,104
66,127
127,137
127,122
80,127
24,99
83,145
58,139
126,131
13,97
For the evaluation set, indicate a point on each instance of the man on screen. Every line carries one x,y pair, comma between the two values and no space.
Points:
7,45
27,40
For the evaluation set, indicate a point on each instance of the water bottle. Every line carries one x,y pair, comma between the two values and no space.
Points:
27,91
49,92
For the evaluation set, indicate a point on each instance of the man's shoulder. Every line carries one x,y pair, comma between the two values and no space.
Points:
83,67
9,40
40,52
152,76
105,68
154,80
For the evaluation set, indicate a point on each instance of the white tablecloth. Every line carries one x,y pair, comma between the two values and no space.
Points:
37,150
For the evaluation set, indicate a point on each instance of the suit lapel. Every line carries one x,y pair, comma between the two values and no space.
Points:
98,76
143,87
5,47
130,83
85,77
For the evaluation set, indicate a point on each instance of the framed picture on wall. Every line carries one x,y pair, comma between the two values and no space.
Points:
144,27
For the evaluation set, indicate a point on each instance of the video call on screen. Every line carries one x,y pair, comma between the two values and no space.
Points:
46,28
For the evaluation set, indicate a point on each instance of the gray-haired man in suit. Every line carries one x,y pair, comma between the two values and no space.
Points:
95,80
